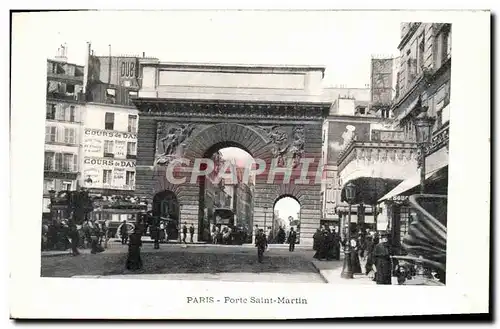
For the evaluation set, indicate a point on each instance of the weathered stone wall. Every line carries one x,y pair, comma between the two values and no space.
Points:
251,137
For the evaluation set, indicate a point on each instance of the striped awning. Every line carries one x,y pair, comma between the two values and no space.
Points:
410,185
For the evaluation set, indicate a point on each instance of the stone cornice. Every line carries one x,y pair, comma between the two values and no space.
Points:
355,149
226,110
413,28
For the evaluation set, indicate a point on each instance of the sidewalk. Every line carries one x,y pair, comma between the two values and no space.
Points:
55,253
331,271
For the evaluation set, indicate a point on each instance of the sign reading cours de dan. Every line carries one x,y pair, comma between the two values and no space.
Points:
116,173
106,172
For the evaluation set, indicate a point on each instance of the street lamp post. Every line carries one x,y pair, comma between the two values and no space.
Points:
423,126
347,273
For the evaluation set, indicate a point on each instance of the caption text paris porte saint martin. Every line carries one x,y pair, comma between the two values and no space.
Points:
246,300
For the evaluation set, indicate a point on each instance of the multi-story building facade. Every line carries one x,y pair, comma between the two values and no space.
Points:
385,165
350,119
109,148
63,126
109,137
423,85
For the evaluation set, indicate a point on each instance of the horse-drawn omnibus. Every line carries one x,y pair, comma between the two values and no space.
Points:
228,232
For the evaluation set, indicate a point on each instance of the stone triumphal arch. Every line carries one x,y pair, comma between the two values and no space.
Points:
275,113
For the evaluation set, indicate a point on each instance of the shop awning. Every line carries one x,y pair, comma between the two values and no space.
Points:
410,185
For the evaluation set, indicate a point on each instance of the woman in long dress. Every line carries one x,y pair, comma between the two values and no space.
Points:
382,257
356,264
134,261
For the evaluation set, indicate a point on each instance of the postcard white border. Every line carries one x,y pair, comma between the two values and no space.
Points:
468,241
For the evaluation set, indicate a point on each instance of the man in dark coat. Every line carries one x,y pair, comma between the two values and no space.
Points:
329,244
191,232
184,232
382,258
323,247
124,232
281,235
369,254
292,238
316,243
154,232
261,244
336,245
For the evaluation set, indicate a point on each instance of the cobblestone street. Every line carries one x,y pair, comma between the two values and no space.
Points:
234,263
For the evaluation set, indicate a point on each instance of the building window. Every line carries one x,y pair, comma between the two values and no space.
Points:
48,184
70,89
68,162
108,149
443,44
71,113
131,96
421,52
49,161
60,113
50,134
106,176
411,70
132,123
130,178
439,119
51,112
131,149
69,135
59,162
67,186
109,121
111,95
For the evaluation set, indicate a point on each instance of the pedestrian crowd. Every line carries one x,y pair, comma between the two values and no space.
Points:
326,243
60,235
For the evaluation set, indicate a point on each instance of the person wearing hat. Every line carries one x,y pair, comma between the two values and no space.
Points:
134,261
261,244
382,258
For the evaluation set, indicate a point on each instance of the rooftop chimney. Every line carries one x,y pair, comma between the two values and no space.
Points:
62,53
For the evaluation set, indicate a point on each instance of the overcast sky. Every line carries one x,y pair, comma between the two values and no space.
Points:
343,42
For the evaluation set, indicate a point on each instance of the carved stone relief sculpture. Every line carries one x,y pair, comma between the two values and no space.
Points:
170,141
287,144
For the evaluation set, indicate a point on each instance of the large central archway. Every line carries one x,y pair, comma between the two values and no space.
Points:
230,186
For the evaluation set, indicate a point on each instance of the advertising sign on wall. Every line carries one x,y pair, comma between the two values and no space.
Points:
93,172
381,84
93,147
120,150
92,177
341,133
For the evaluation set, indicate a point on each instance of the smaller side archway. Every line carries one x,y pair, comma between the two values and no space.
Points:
166,207
286,215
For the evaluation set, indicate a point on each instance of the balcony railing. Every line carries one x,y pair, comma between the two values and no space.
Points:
440,138
78,97
381,152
